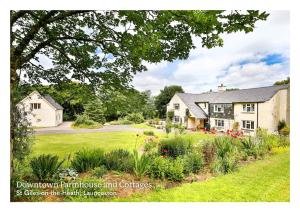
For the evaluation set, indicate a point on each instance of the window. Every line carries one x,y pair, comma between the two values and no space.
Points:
219,108
248,125
176,106
248,108
219,123
176,118
35,106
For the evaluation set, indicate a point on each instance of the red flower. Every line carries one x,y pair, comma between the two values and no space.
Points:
165,150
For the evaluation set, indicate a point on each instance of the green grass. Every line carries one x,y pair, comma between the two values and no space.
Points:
267,180
64,144
142,126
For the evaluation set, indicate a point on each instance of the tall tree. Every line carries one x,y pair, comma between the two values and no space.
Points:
164,98
107,47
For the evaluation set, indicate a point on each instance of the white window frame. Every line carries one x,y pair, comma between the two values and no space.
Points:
176,106
249,108
248,124
218,121
217,107
177,121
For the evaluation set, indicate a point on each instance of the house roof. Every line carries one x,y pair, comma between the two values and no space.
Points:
48,98
234,96
53,102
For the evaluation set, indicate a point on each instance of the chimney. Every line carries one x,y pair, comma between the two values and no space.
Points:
221,88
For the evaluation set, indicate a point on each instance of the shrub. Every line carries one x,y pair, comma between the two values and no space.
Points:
249,148
84,122
45,166
235,126
170,114
121,122
149,133
209,152
193,162
87,159
164,168
281,125
63,174
135,117
175,170
284,141
141,164
168,127
119,160
174,147
226,160
99,171
285,131
159,167
180,128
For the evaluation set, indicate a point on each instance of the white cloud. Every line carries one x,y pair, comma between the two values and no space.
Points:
206,68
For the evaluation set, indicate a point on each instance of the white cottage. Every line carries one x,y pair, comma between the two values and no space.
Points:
42,111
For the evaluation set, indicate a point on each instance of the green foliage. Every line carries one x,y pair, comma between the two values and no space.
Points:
175,147
283,82
95,111
136,118
209,151
121,122
87,159
169,126
149,132
99,171
170,115
141,164
227,158
83,121
44,167
179,128
193,162
164,168
235,126
119,160
164,98
285,131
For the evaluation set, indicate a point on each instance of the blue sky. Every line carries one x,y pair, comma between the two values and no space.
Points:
246,60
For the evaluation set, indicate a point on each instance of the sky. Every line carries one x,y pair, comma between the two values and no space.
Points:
248,60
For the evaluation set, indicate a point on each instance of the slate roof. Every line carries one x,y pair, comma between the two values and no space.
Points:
242,95
53,102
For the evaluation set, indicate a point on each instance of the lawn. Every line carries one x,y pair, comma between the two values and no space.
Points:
142,126
266,180
64,144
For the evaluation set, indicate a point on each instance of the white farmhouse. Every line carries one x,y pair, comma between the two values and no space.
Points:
250,108
42,111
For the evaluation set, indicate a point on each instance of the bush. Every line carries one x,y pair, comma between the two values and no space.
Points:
180,128
135,117
193,162
175,147
227,158
119,160
99,171
164,168
121,122
87,159
44,167
168,127
284,141
209,151
285,131
149,133
94,110
141,164
63,174
83,121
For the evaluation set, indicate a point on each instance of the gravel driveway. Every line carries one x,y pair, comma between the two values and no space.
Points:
65,128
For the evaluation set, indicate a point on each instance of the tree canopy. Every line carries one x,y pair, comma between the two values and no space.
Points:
108,47
283,82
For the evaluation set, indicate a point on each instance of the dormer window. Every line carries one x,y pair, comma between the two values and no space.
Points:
248,108
176,106
35,106
219,108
